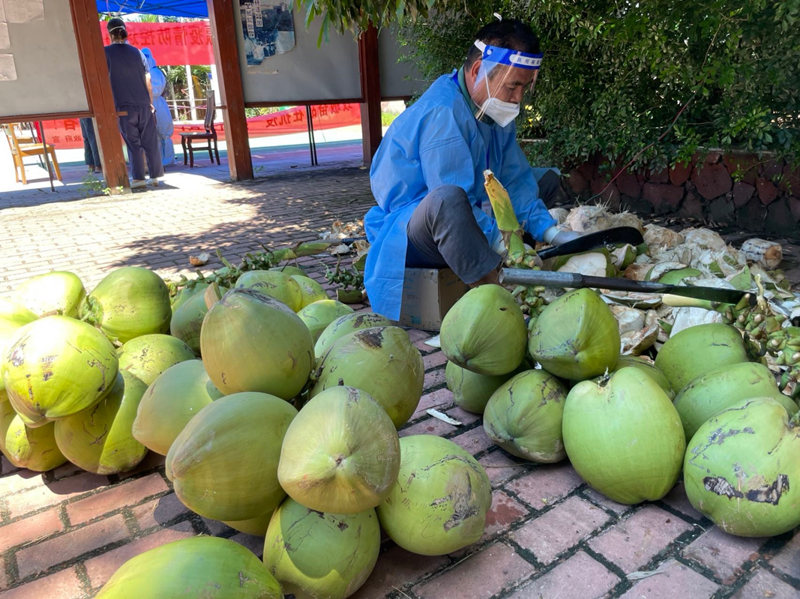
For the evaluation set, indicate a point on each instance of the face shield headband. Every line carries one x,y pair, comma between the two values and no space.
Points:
491,57
513,58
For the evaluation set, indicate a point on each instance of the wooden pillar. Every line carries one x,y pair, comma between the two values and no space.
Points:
97,85
370,74
226,55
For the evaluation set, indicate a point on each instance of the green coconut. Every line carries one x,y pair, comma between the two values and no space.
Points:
523,416
623,436
341,453
193,568
345,324
321,555
576,336
484,331
380,361
147,356
224,463
56,292
440,499
187,321
712,392
310,290
291,270
8,329
170,402
273,283
15,313
648,368
130,301
253,342
318,315
25,447
697,350
99,439
252,526
471,390
187,292
57,366
741,469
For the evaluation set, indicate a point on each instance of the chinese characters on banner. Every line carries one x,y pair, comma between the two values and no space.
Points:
66,133
171,43
268,29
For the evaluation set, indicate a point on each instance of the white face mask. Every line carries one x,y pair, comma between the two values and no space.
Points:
499,111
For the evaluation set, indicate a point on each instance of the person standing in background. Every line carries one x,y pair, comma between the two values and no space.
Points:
91,153
130,86
164,124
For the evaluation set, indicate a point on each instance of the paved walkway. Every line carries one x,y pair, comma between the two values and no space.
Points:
63,533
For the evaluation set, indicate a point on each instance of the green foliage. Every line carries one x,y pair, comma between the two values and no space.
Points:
357,15
648,83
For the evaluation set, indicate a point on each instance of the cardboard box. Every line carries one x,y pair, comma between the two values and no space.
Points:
428,293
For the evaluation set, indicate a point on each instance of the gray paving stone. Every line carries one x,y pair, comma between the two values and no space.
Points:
560,529
634,541
482,575
579,577
764,584
673,580
722,553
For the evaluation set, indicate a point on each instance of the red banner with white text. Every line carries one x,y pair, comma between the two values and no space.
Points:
171,43
66,133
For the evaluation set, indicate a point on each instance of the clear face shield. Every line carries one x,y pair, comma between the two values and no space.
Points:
503,78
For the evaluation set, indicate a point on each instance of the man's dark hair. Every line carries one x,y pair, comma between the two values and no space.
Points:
511,34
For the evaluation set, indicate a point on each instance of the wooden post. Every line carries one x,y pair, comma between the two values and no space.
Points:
370,75
226,56
97,84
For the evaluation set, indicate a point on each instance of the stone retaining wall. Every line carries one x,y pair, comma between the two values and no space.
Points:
742,190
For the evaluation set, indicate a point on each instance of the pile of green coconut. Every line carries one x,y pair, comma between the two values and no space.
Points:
558,387
277,410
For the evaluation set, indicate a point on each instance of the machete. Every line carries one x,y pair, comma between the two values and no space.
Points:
593,241
544,278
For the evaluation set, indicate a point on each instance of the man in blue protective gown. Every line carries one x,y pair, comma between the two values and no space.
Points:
427,175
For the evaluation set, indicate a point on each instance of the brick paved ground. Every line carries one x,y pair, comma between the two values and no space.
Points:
63,533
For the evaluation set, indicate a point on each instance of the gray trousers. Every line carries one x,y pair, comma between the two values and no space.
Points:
138,129
443,233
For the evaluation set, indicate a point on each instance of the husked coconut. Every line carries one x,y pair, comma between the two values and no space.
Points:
703,238
587,219
628,319
660,238
626,219
560,214
590,263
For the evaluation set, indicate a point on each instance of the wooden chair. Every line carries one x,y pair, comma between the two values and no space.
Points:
209,135
22,144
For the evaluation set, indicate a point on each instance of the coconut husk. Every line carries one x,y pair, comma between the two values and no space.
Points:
638,270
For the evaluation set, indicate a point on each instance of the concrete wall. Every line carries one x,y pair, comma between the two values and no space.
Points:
754,193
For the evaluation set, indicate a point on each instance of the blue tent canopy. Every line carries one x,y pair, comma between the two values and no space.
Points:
168,8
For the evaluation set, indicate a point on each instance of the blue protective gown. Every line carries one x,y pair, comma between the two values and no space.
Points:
438,141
